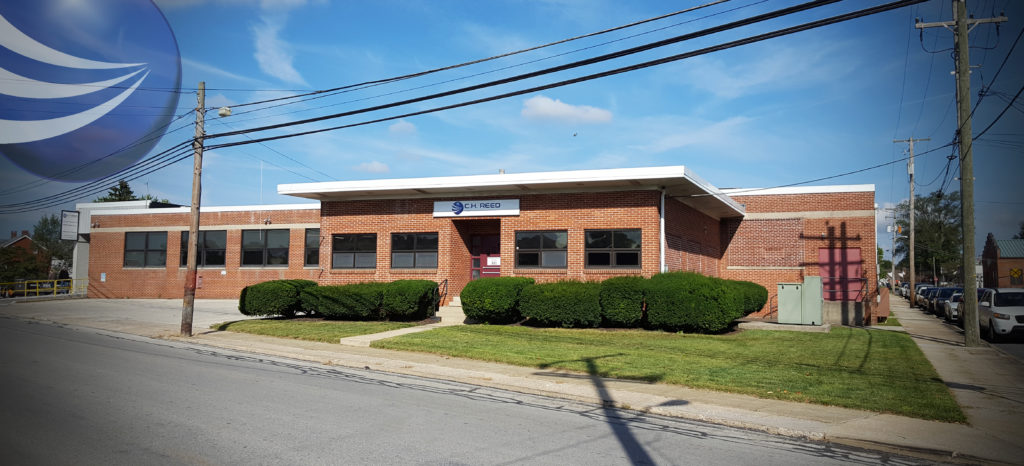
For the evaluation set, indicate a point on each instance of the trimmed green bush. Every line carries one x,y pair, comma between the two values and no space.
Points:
359,301
494,300
270,298
309,299
622,301
691,302
564,304
409,299
754,296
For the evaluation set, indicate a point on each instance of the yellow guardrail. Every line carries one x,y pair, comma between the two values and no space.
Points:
25,288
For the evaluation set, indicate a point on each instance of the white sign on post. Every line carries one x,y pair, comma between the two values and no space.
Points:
69,225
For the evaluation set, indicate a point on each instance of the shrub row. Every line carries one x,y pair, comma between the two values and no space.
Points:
398,300
669,301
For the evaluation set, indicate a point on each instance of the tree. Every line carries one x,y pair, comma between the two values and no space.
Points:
19,264
121,192
47,242
1020,235
938,235
884,265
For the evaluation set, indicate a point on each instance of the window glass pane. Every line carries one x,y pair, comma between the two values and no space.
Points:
556,239
403,242
158,240
599,239
366,242
156,258
527,259
343,243
215,239
134,258
401,260
135,240
252,257
312,237
366,260
553,258
426,260
528,240
214,257
252,239
277,238
426,242
312,257
627,239
342,260
599,258
625,259
476,262
277,256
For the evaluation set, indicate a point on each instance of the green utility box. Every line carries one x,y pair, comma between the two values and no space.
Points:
800,303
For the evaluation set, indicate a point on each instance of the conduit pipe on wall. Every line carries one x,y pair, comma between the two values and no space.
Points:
661,232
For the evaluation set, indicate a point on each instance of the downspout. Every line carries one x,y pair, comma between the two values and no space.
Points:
661,234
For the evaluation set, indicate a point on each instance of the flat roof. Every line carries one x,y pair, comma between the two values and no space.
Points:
677,181
843,188
187,209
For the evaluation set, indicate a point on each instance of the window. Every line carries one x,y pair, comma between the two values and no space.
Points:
264,247
613,248
414,250
541,248
312,254
145,249
354,251
211,249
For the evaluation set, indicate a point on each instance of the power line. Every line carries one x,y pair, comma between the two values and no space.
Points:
328,177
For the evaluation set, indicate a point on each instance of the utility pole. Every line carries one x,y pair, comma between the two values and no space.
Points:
961,25
910,260
188,305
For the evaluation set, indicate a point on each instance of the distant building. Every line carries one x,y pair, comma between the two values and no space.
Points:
23,241
1002,262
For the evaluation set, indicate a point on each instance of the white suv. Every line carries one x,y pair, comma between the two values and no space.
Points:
1001,312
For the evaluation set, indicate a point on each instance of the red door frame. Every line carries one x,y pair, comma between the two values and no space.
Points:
485,256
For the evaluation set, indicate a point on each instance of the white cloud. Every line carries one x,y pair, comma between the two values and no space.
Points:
493,41
544,108
402,127
372,167
707,135
273,54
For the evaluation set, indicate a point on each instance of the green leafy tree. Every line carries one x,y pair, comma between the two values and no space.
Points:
121,192
938,235
1020,235
47,242
20,264
884,265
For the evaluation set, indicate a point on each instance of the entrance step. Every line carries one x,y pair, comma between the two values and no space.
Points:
456,302
451,314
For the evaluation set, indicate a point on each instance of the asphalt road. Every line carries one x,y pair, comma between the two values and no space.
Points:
83,396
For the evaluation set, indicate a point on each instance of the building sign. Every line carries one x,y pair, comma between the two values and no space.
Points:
477,208
69,225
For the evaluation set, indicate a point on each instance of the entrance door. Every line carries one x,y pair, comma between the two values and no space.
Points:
486,256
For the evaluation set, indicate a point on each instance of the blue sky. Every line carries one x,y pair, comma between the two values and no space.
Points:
787,110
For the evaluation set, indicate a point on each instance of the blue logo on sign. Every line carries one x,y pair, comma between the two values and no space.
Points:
91,83
457,207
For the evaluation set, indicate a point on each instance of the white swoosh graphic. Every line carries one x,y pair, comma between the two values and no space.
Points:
19,131
19,86
22,44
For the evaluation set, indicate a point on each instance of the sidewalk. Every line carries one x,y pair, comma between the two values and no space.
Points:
987,383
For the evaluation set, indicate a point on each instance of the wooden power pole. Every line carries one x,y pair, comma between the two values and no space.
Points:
961,25
910,244
188,304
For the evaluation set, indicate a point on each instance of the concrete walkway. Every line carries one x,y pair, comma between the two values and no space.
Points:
986,382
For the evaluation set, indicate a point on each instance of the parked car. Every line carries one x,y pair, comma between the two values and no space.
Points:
951,308
1001,313
926,298
937,305
921,290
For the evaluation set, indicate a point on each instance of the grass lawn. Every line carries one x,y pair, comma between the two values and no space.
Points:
853,368
326,331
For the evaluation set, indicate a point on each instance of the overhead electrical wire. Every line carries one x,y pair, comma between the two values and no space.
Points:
282,154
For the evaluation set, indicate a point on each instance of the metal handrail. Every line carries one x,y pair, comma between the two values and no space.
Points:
43,287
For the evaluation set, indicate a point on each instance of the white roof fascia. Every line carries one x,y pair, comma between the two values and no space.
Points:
185,210
849,188
140,204
482,181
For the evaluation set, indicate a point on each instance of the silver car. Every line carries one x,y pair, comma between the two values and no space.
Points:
1001,313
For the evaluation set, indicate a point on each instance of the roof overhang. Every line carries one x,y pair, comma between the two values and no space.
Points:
676,181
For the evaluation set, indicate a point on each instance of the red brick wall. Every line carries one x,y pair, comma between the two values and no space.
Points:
106,255
693,239
772,251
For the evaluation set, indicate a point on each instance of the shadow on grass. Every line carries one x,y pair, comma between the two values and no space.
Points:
633,449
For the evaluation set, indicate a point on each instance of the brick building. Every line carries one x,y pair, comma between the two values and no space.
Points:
1002,263
578,225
